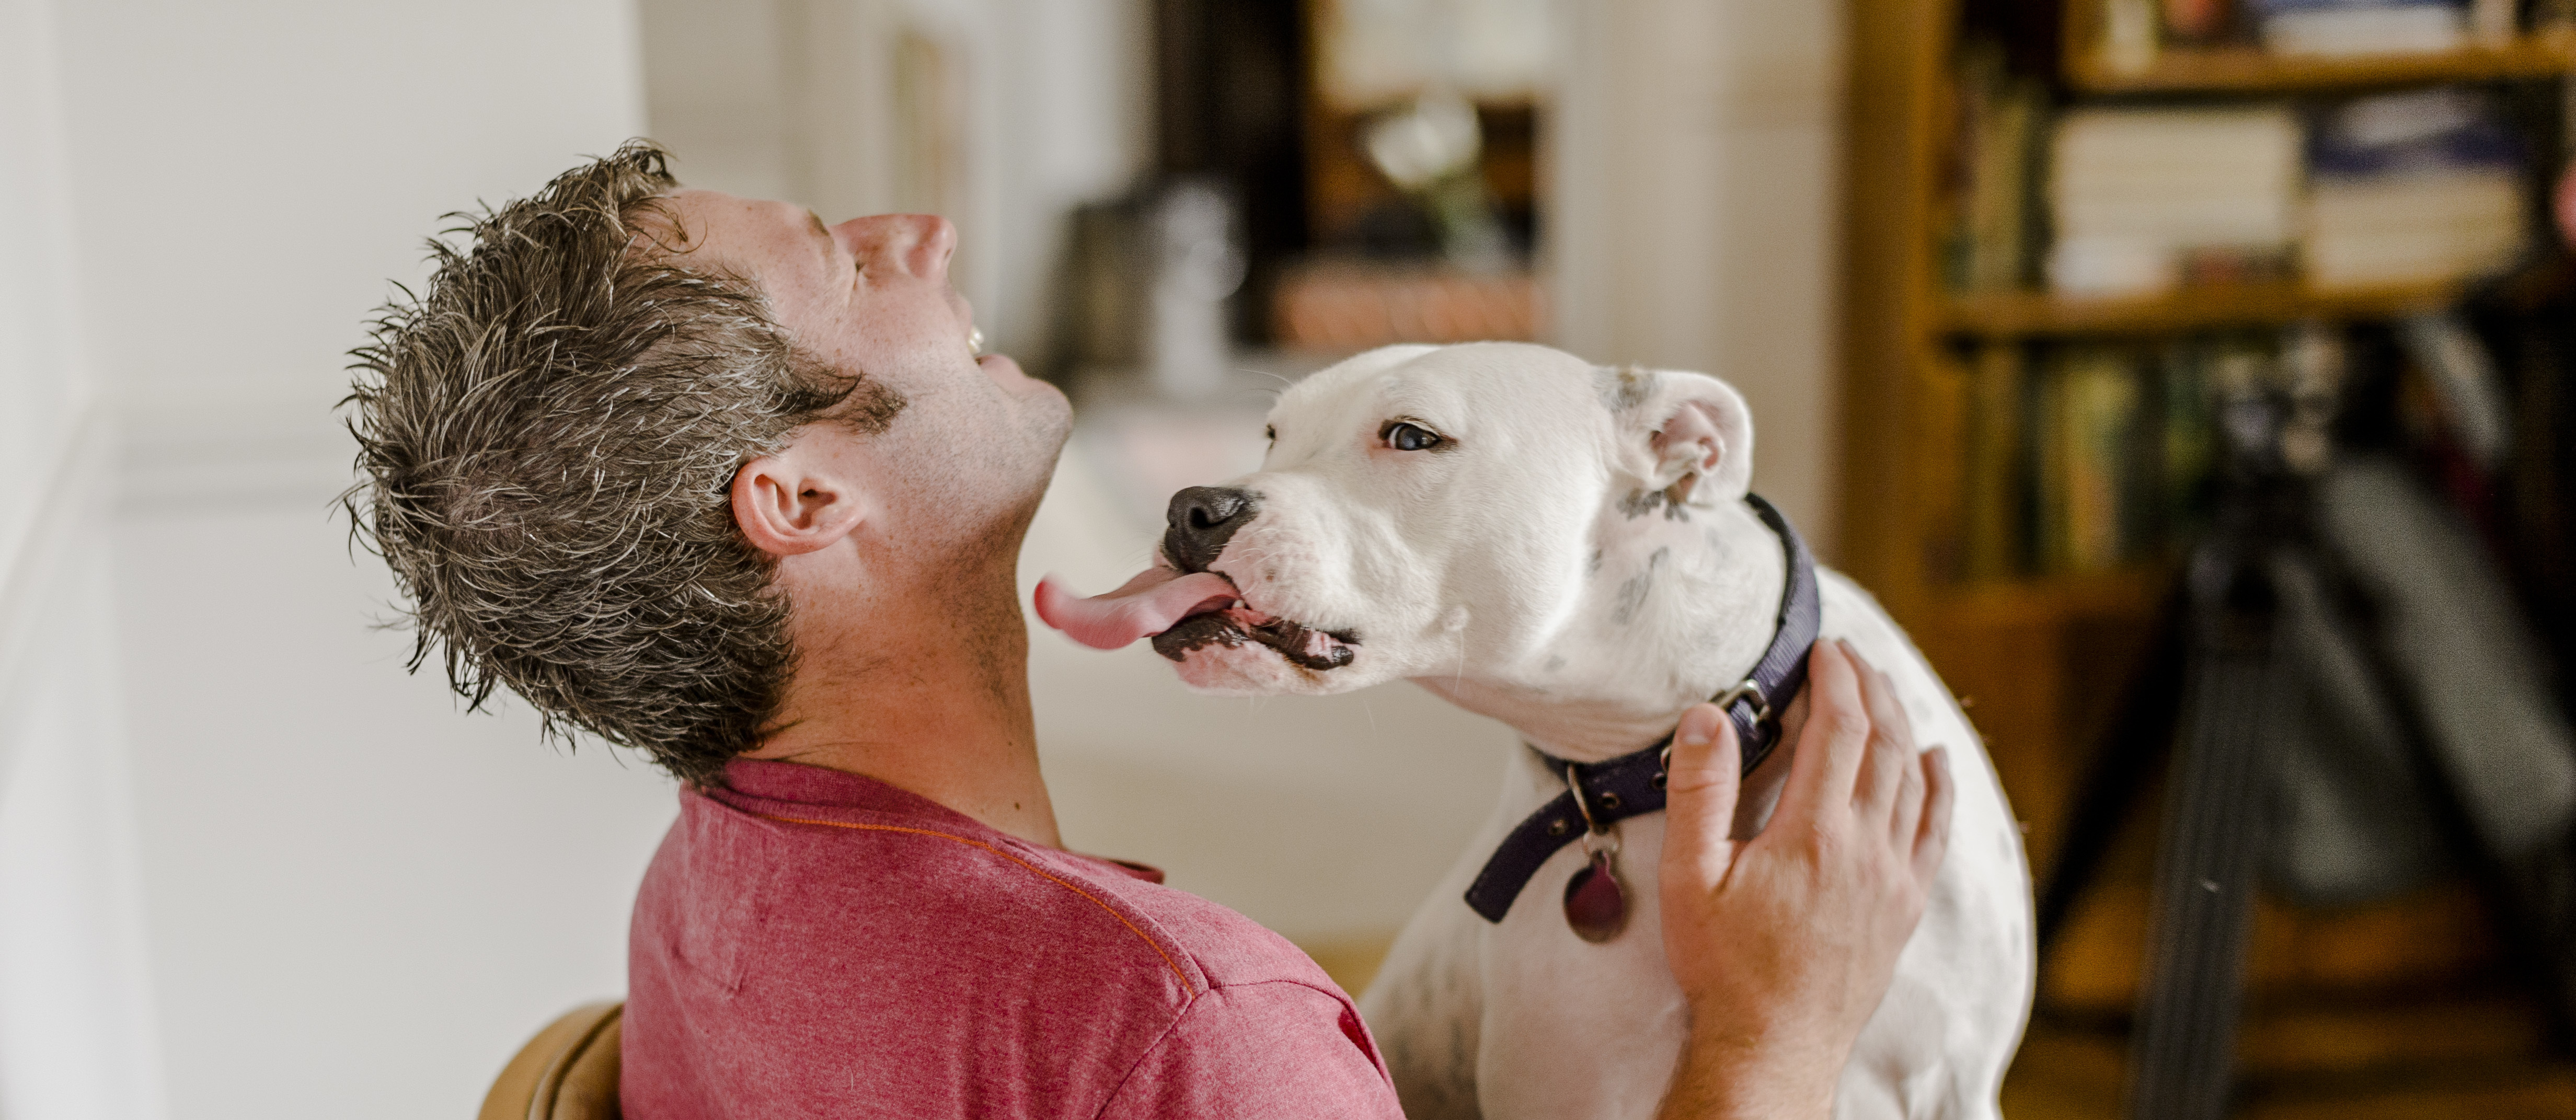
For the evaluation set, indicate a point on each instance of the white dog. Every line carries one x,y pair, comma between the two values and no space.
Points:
1568,549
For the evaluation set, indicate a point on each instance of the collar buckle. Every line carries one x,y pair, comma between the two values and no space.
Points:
1749,692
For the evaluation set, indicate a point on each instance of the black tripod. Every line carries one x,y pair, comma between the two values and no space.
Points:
2215,691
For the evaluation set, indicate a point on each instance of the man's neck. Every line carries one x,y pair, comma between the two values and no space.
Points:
929,694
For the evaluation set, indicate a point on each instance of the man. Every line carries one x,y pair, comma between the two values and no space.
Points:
705,477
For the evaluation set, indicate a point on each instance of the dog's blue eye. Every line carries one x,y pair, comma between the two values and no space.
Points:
1411,437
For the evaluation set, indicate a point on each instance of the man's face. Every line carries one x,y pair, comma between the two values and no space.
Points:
966,460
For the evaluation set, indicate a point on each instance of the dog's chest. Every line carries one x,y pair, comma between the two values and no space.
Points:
1578,1029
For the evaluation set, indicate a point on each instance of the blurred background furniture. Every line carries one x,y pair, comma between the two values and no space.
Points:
2073,227
567,1072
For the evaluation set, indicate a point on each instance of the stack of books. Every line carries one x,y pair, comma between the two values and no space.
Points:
2361,27
2420,186
2003,118
2134,31
2145,199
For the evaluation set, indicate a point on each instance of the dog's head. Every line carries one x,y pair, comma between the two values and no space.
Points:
1437,511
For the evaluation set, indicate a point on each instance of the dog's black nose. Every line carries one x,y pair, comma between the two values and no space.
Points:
1200,521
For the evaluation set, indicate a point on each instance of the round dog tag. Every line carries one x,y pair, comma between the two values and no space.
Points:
1594,904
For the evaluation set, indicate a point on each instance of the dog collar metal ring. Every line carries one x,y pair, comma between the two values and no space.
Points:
1582,804
1600,794
1596,902
1745,692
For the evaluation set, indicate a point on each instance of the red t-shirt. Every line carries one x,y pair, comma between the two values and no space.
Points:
815,943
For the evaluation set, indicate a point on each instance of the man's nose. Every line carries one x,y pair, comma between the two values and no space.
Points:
1201,519
916,244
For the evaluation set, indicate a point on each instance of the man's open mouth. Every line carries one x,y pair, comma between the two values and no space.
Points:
1184,612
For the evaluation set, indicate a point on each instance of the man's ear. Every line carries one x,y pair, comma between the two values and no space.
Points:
1686,434
787,507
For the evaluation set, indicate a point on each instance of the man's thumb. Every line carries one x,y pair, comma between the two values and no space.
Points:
1700,785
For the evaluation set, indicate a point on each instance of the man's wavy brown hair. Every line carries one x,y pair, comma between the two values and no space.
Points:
547,435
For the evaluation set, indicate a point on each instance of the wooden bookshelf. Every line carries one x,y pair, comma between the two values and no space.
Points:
2042,662
2127,593
2036,313
2250,70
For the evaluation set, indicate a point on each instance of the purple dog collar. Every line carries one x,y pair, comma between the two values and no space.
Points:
1632,785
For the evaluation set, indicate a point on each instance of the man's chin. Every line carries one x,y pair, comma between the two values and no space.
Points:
1006,372
1043,407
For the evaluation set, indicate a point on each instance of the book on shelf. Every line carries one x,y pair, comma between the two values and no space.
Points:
2090,410
1995,496
2195,21
2134,32
1939,481
2413,187
2145,199
2493,23
2001,117
2183,454
2343,28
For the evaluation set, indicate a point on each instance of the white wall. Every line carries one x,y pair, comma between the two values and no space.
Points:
1697,209
355,893
796,99
354,900
251,173
44,386
77,1032
76,1036
715,92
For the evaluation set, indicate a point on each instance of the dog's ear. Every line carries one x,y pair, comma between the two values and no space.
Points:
1686,434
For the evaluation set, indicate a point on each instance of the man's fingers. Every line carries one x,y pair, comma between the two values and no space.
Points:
1906,822
1836,737
1700,786
1932,840
1891,742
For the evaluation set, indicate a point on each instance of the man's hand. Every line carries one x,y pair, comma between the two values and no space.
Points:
1784,944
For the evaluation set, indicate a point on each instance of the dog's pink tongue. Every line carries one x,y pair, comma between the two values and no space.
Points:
1149,604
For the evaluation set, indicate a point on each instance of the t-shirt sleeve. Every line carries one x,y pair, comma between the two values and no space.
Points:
1275,1049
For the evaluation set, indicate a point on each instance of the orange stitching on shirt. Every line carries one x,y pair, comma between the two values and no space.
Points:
1168,962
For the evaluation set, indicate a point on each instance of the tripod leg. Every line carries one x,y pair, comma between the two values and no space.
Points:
2182,1057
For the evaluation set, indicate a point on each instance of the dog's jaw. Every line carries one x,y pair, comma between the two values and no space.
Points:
1250,669
1676,609
1295,562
